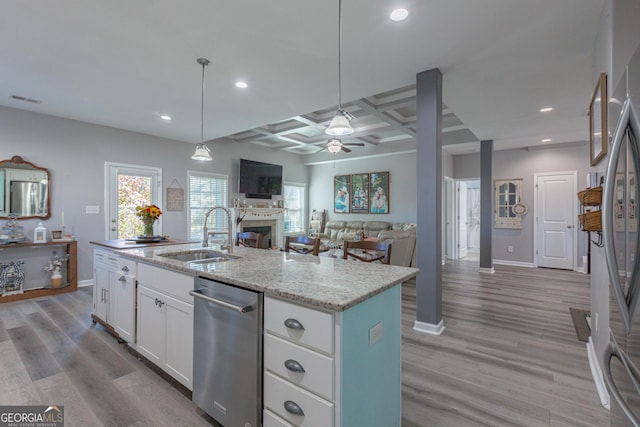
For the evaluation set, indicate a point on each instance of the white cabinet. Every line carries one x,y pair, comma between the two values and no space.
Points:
335,369
299,363
165,321
114,293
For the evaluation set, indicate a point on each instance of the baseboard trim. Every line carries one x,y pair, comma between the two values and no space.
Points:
596,373
513,263
486,270
580,270
82,283
429,328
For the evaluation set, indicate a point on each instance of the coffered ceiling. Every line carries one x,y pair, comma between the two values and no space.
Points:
125,63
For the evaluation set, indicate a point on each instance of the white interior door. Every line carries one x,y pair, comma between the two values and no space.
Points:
462,219
448,218
555,219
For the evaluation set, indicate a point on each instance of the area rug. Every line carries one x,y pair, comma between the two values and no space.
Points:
582,323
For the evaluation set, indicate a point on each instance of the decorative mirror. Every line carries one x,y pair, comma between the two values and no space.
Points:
24,189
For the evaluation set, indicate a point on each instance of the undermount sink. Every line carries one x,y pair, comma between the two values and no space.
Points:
199,256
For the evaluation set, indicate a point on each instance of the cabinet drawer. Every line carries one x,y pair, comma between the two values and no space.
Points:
166,281
105,257
269,419
318,369
306,326
277,392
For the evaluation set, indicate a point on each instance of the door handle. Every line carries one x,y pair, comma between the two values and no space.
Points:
293,408
122,279
293,324
242,309
293,365
611,352
125,269
569,226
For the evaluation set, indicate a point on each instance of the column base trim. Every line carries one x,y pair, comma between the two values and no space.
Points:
429,328
486,270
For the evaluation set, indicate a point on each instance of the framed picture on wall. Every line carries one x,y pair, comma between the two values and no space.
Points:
598,133
360,193
379,192
341,201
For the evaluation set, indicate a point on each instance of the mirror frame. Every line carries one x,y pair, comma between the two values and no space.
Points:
23,164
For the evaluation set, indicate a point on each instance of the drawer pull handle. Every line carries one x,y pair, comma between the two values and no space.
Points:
122,279
293,408
293,324
125,269
293,365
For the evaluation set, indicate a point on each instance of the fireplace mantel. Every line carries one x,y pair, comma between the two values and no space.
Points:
253,215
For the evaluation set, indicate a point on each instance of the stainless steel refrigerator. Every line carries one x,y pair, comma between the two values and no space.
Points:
620,221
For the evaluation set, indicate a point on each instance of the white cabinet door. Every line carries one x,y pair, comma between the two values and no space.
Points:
124,297
151,320
100,291
179,340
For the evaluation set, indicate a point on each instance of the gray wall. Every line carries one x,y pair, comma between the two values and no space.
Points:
75,153
524,164
402,191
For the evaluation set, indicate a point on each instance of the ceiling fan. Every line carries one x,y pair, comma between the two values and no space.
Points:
334,145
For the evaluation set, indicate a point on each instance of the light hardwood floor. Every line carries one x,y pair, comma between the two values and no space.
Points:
508,356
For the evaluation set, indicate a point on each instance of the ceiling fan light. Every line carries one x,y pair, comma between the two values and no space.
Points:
202,153
339,126
334,145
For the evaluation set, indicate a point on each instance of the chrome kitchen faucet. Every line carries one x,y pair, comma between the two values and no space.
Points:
205,229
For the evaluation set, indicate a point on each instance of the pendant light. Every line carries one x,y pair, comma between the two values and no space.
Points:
202,151
340,125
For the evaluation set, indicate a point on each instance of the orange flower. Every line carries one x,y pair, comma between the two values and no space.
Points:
148,212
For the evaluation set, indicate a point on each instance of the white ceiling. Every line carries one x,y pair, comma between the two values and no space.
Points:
121,63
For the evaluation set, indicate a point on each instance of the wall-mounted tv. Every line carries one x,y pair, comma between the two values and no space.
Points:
258,179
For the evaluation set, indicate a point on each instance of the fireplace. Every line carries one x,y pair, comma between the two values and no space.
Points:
248,219
265,231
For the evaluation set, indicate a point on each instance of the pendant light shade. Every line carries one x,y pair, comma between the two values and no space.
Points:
340,125
202,151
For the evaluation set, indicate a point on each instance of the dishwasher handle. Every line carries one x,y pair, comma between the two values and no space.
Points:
242,309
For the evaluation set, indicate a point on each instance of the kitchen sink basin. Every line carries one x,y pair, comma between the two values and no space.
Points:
199,256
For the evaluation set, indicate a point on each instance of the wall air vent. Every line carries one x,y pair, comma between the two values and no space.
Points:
25,99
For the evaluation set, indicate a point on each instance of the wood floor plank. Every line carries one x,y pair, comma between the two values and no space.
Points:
16,387
59,390
33,353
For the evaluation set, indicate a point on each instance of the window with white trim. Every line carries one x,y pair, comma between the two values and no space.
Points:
293,195
207,190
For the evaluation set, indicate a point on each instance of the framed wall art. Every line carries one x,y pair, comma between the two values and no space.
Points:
598,133
360,193
379,192
341,201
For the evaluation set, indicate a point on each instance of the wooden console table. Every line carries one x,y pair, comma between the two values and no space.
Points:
72,271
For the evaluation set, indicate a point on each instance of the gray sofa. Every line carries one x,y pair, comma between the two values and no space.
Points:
401,235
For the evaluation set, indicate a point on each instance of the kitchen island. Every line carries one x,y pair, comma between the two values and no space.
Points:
349,346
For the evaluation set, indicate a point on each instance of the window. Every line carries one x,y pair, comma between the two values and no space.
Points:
207,190
294,202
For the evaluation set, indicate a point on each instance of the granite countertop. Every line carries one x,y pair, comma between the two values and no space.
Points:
329,283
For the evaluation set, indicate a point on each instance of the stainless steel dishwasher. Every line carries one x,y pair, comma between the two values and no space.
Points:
227,353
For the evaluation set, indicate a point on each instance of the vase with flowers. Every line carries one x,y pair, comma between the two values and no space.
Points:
148,214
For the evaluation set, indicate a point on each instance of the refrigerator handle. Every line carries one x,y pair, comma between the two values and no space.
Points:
610,352
608,215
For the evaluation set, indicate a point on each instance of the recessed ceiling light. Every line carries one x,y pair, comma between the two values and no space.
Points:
165,117
399,15
242,85
546,140
546,109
